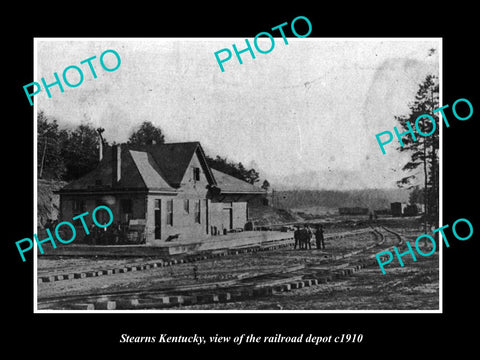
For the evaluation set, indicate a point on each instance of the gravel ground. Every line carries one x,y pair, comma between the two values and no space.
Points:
210,270
413,287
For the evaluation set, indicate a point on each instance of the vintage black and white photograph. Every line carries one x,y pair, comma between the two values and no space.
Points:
288,182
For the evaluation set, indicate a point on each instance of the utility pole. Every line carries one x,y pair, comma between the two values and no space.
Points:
43,158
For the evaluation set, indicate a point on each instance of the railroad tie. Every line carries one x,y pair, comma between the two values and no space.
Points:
189,299
297,285
282,288
91,273
141,303
224,297
80,306
262,291
242,293
207,298
125,304
105,305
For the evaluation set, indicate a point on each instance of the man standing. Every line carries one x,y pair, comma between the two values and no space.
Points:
296,236
308,237
319,237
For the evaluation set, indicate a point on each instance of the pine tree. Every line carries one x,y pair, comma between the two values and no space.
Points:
423,149
265,185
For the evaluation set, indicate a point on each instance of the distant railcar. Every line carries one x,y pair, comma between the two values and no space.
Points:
410,210
396,208
353,211
382,212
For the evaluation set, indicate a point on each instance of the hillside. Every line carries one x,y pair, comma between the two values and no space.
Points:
287,203
263,215
333,199
48,203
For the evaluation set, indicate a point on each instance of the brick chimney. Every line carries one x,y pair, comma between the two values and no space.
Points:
116,164
100,143
100,150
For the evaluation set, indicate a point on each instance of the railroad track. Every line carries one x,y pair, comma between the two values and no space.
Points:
238,288
46,277
173,260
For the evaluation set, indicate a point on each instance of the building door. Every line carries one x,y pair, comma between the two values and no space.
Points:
227,218
206,215
158,219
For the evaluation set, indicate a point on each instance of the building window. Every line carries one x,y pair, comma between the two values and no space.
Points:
170,212
186,206
102,216
78,206
157,213
196,174
197,211
126,206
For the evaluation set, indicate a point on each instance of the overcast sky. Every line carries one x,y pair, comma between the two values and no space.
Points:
311,106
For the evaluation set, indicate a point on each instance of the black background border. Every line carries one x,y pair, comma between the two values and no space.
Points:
394,333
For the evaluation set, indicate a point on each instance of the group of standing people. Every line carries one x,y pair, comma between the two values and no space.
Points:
304,235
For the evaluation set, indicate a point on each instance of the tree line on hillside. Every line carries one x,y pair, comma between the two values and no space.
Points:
234,169
68,154
373,199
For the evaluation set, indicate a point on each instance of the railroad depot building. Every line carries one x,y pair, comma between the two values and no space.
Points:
158,193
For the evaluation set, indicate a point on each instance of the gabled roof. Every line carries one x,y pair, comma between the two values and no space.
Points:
230,184
138,172
148,170
155,167
173,159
